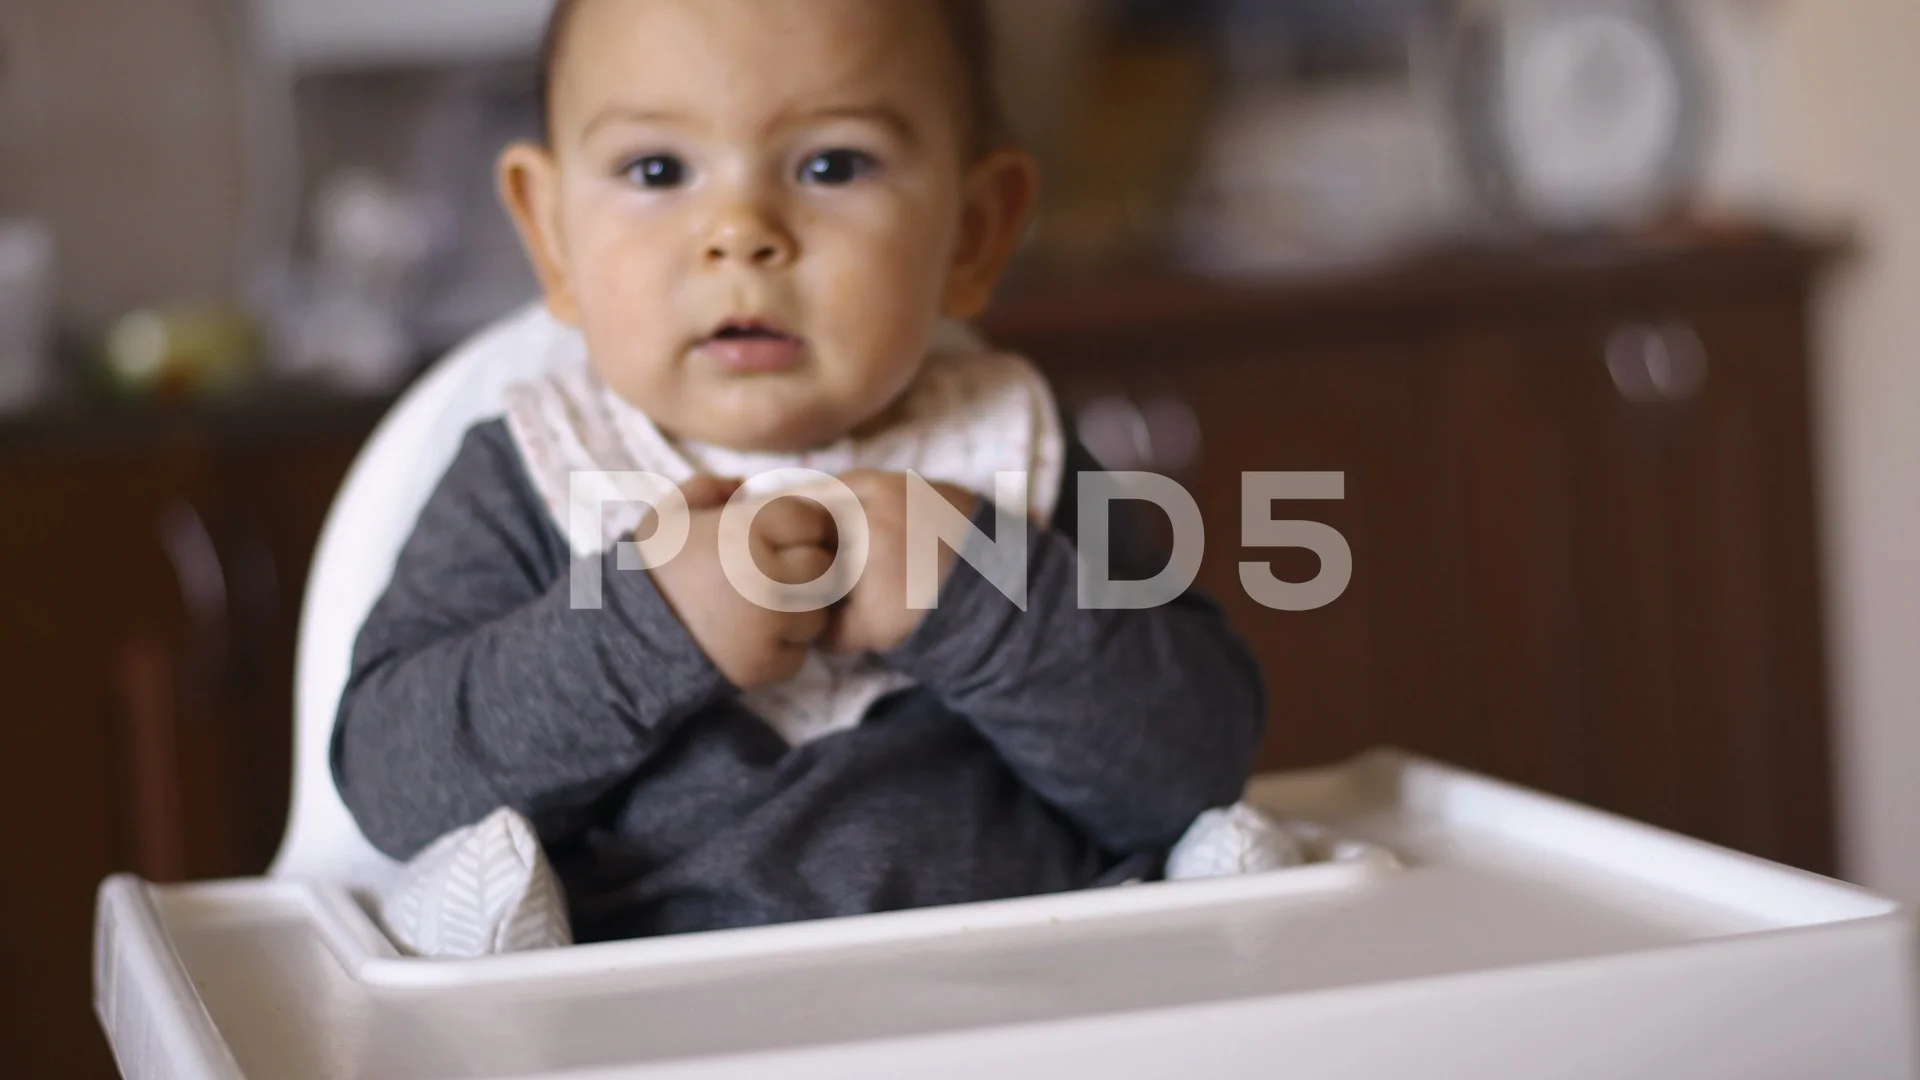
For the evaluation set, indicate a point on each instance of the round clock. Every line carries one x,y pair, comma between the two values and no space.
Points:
1578,115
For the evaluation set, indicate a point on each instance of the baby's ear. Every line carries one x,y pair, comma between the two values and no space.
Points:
529,180
1001,192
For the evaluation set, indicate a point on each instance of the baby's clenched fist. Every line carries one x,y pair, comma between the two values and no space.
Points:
792,543
879,615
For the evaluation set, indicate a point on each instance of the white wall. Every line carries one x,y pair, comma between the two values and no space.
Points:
1826,122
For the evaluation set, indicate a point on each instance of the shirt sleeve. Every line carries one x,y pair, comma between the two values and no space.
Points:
1133,723
477,685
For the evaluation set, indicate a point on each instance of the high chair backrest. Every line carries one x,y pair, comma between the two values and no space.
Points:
370,521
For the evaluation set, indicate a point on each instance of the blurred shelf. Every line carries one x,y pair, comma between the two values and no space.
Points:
265,413
1540,283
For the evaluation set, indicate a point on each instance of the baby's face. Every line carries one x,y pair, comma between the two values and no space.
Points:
756,210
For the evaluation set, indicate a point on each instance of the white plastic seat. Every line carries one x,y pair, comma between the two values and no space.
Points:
389,484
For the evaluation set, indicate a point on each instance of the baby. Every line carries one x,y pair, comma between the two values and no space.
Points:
768,220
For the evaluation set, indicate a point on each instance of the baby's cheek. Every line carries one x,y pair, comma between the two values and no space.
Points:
629,332
620,269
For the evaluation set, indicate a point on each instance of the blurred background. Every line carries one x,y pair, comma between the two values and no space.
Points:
1607,309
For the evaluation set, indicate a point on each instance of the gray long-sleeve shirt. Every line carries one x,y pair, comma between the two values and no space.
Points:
1043,751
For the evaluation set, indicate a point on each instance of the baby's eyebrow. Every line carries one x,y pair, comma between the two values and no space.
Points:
633,115
885,115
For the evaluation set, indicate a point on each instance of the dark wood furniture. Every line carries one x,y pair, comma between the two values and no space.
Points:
1579,500
1579,497
154,566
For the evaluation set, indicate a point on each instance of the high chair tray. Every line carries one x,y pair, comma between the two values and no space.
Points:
1512,935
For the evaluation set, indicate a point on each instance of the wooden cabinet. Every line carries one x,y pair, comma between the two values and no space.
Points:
1579,503
77,580
147,627
1637,551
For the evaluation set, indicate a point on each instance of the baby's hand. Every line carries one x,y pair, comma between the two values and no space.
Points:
875,617
791,541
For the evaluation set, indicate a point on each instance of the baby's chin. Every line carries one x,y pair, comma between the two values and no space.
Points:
785,429
788,413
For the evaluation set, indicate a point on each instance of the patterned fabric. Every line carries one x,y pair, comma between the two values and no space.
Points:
972,415
1240,839
485,890
1244,839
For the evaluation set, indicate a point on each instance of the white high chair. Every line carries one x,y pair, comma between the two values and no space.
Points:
385,491
1517,935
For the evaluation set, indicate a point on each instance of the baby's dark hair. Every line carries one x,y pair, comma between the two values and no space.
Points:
968,24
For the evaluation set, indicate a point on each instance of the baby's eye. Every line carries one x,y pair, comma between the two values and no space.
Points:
657,171
837,167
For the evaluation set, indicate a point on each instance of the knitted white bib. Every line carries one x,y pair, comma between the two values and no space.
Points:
972,414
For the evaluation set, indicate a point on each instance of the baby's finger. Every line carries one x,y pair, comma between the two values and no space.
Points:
709,492
802,564
867,482
846,634
793,579
785,662
790,521
806,629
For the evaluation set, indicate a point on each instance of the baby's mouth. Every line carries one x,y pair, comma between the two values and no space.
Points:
752,347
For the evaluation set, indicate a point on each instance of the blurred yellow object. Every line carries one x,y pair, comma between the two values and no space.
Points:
181,352
1128,152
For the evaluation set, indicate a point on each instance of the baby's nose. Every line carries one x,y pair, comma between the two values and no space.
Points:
749,236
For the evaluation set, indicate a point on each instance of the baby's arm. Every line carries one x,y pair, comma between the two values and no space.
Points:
1131,722
476,685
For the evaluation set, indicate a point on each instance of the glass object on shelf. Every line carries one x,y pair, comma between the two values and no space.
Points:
1329,146
350,327
26,313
